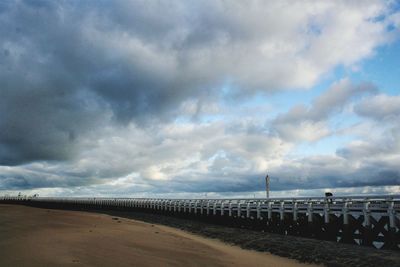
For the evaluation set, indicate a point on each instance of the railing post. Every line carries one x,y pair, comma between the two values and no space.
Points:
269,216
326,213
329,228
282,210
310,212
367,233
195,207
390,241
347,234
269,210
310,218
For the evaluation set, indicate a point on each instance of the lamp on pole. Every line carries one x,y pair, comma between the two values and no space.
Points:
267,185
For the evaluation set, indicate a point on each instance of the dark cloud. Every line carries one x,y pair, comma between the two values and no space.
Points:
43,124
45,108
64,66
140,60
89,90
27,178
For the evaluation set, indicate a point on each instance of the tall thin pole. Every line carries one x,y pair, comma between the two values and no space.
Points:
267,185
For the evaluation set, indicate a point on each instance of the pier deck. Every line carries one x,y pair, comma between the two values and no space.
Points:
363,220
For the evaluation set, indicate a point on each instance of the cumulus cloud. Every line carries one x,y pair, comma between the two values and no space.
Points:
189,156
98,94
302,123
375,153
66,65
206,157
380,107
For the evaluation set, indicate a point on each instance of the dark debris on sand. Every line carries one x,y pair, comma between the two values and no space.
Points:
328,253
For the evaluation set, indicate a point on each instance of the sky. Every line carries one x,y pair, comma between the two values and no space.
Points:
199,98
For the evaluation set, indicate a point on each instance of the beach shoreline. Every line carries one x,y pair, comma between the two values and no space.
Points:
42,237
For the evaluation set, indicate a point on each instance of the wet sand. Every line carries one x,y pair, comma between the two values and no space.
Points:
39,237
330,254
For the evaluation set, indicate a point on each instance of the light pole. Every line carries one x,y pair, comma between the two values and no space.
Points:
267,185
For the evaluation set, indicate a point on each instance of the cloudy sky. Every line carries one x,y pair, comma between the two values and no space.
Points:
195,98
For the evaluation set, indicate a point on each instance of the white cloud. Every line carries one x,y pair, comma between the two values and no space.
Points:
380,107
302,123
114,93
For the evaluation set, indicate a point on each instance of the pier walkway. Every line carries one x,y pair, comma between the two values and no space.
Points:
363,220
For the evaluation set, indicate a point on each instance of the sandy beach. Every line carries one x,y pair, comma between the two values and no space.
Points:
39,237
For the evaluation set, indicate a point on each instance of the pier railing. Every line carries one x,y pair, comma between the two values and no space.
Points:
362,220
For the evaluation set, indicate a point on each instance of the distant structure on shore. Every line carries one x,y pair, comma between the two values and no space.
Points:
267,185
